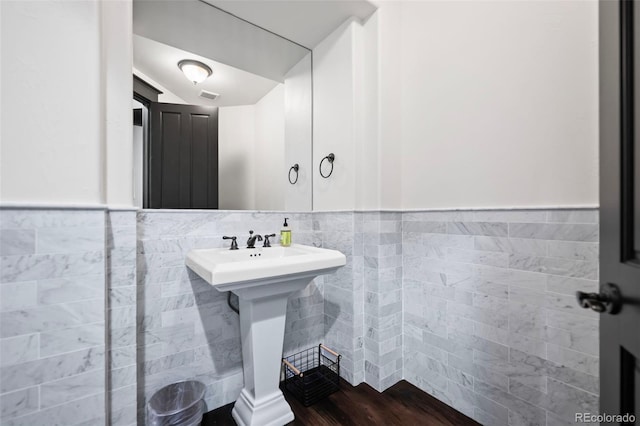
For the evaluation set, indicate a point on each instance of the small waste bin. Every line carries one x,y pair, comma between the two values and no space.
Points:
179,404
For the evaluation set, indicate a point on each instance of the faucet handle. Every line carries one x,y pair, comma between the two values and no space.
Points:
234,243
267,243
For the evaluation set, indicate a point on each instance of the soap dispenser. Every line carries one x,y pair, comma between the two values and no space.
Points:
285,234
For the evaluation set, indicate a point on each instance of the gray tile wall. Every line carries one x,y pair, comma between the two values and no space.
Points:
491,325
186,329
121,316
343,291
382,248
474,307
52,317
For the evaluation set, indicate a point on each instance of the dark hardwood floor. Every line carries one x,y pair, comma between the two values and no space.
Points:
402,404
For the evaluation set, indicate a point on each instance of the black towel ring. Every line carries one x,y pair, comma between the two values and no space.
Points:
295,168
330,158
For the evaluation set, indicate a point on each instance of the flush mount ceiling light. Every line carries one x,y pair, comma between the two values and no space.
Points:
195,71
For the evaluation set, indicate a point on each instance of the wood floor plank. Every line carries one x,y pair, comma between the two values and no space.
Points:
402,404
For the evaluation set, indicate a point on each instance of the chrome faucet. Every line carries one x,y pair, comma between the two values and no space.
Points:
251,242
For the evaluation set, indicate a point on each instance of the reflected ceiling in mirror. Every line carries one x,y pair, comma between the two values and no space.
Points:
257,102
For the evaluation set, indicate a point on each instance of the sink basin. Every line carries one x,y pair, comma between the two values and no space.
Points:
263,279
232,270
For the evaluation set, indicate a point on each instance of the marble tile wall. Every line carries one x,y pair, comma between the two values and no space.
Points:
186,330
491,325
343,291
382,248
474,307
52,317
120,227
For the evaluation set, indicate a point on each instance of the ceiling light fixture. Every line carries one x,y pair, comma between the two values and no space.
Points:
195,71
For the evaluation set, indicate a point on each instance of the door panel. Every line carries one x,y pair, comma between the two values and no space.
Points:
619,206
183,163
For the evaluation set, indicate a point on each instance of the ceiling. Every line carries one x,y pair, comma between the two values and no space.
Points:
159,62
197,27
167,31
306,22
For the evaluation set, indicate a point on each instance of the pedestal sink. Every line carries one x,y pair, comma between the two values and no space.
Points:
263,279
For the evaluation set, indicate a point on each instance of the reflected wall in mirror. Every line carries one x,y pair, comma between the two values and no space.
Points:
229,141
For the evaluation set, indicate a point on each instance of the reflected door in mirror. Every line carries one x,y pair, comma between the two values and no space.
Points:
183,157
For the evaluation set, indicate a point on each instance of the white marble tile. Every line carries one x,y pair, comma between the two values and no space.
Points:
43,370
511,245
573,359
57,342
490,229
71,289
478,257
573,216
569,286
29,219
555,266
552,231
574,250
526,307
17,296
75,387
19,349
510,216
83,411
116,218
17,242
44,266
69,240
19,403
51,317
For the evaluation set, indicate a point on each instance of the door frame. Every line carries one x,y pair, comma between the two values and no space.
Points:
146,123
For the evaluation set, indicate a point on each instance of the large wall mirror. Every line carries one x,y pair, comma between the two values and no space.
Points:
224,130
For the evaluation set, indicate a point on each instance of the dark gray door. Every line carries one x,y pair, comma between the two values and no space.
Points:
619,210
183,157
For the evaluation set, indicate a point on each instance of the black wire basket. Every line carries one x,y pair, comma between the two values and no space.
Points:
312,374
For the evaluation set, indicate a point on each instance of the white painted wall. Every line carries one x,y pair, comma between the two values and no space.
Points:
440,104
333,119
66,117
499,103
298,135
269,149
117,87
51,149
236,139
251,154
480,104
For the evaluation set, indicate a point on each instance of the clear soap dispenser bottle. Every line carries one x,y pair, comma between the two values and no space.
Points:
285,234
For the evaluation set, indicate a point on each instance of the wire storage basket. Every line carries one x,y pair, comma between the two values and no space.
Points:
312,374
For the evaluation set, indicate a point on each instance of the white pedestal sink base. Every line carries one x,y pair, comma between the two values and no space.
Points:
262,321
270,411
263,284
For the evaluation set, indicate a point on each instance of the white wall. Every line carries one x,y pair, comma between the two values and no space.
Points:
236,138
499,103
66,116
117,89
269,148
356,115
333,119
298,135
440,104
251,154
51,147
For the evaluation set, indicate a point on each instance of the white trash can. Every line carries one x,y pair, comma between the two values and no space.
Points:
179,404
